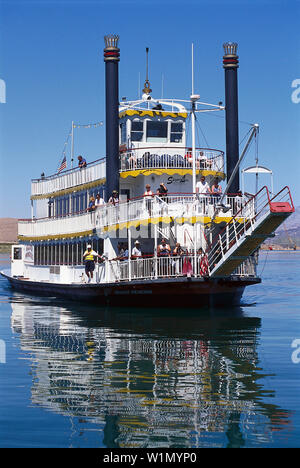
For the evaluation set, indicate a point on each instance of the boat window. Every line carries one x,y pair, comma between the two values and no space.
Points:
136,131
176,132
123,132
17,253
157,131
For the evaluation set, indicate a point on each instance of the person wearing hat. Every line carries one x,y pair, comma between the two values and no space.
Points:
89,260
162,191
136,255
114,199
136,251
148,196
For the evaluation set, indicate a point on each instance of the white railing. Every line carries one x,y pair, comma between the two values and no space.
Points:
68,179
243,223
171,158
247,268
56,226
173,205
157,267
187,265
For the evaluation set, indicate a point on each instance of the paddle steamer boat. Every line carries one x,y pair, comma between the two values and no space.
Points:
147,144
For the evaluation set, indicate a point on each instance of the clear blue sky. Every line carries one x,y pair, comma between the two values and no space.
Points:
51,59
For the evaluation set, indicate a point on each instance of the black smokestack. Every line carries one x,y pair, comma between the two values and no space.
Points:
230,64
111,59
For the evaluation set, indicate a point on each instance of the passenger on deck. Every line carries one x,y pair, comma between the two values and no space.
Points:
89,260
188,157
81,162
238,202
148,196
125,253
162,192
178,252
136,255
131,161
202,187
163,250
204,162
91,206
114,199
216,189
99,201
136,251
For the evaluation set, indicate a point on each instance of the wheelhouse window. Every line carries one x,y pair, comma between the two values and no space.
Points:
137,131
123,132
176,132
157,131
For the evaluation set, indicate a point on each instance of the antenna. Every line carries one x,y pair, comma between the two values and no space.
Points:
192,68
147,56
147,90
139,86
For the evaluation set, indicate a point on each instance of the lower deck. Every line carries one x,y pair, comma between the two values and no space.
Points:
164,292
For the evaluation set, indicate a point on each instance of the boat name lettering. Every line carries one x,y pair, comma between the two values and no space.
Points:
133,291
172,179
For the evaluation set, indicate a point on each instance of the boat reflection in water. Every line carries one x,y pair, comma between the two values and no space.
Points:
152,378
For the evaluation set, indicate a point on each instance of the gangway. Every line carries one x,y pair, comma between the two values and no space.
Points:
258,218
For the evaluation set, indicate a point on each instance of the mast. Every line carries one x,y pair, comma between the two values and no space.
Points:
72,144
194,98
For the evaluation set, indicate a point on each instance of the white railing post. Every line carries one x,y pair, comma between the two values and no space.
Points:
155,250
129,254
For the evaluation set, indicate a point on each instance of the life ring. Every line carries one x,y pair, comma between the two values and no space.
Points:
204,266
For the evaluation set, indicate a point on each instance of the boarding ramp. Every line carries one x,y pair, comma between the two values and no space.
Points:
257,219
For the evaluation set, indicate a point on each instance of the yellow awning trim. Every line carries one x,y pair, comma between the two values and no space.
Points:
152,113
167,220
161,171
76,188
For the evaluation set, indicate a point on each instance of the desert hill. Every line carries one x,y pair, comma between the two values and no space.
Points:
8,230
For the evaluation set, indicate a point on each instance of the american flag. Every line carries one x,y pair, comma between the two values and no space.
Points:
63,164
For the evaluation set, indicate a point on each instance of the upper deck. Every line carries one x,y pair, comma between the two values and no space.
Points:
70,180
142,161
152,136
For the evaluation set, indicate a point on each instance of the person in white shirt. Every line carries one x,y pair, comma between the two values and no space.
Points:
202,187
136,251
99,201
148,196
137,265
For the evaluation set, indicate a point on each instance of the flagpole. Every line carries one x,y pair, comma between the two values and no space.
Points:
194,98
72,144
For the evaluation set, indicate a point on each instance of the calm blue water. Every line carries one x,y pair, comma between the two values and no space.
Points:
79,376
